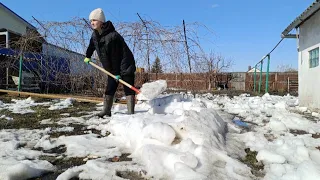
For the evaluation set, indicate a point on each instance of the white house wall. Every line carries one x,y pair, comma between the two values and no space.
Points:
77,66
309,78
10,22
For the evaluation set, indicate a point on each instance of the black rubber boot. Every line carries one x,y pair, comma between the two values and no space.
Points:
107,105
130,104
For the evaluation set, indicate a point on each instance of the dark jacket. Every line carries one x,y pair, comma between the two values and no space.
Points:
113,52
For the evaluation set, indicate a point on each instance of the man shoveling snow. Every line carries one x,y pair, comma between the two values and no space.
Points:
118,62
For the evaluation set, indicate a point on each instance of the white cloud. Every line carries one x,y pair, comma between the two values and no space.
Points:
215,5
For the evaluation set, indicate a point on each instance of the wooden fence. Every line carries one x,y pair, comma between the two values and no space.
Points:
278,81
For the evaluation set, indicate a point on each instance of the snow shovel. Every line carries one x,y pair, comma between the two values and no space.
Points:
148,91
114,77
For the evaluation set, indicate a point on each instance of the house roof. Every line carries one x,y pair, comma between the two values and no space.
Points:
310,11
253,69
64,49
17,16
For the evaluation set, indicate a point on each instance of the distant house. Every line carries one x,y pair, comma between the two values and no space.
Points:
253,70
307,26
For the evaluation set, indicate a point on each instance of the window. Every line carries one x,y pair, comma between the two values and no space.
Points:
314,58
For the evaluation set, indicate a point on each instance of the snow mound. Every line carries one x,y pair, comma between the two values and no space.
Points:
151,90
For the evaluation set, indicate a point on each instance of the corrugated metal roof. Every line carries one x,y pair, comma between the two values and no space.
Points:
19,17
311,10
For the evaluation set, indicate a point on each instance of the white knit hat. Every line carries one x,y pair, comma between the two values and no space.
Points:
97,14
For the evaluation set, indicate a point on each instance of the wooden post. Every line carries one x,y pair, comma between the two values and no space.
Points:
273,85
276,81
288,84
176,80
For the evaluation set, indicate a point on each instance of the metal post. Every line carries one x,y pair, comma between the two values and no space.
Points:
7,78
267,75
254,78
7,39
7,69
260,81
20,74
47,73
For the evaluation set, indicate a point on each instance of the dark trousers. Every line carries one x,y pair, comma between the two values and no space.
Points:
113,85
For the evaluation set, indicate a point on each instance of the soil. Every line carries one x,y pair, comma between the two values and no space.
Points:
251,160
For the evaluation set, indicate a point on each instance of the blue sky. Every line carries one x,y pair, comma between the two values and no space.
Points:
244,31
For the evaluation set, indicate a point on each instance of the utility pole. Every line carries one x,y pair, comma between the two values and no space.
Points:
147,33
186,43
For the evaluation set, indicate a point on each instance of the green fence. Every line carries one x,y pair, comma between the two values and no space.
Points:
260,65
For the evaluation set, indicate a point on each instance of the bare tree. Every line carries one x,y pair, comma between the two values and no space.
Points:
70,39
286,68
214,64
165,42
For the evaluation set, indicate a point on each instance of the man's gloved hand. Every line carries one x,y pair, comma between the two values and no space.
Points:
117,77
87,60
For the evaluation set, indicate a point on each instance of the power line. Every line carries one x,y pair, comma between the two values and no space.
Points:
275,46
270,51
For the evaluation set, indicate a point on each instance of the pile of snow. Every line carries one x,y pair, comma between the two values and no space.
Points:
176,137
21,162
82,145
62,104
20,106
5,117
185,145
151,90
285,156
24,106
172,137
274,110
